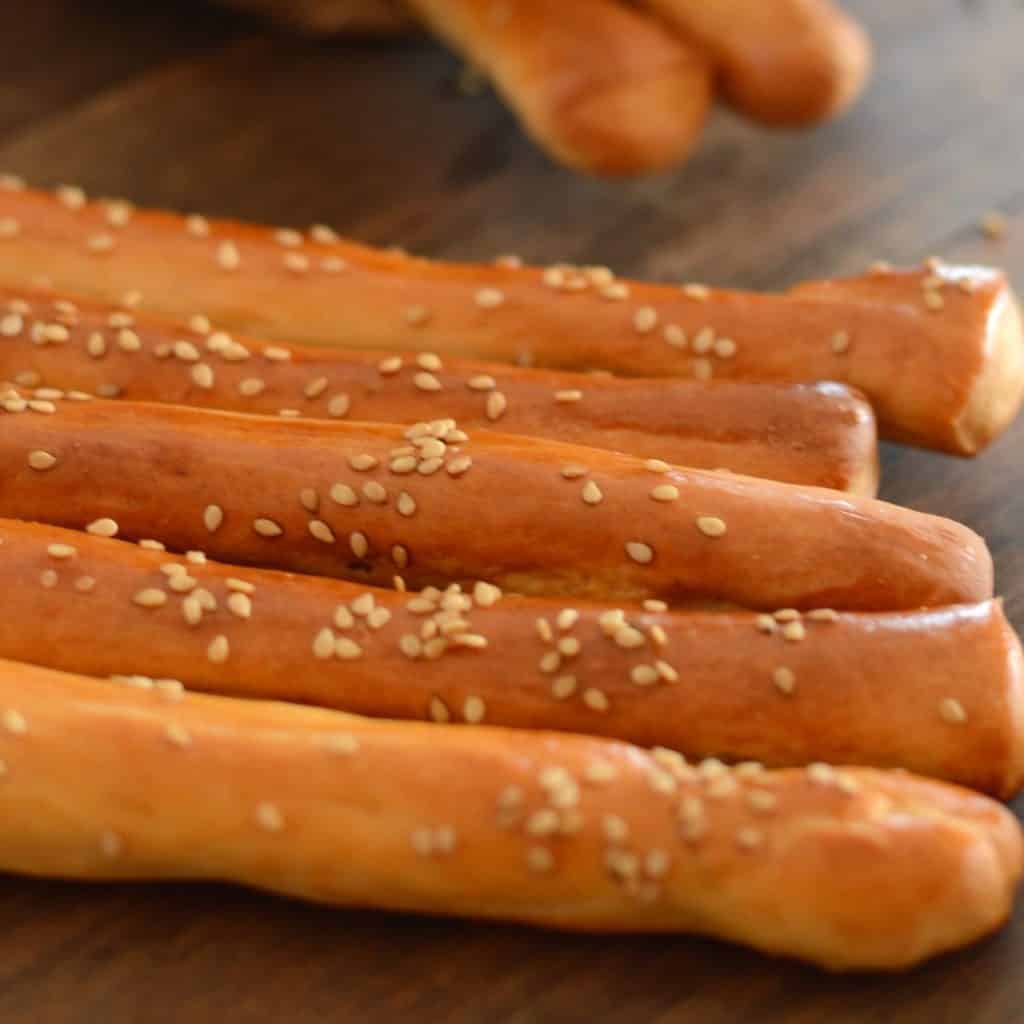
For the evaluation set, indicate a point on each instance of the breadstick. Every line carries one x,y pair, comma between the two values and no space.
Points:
363,501
849,868
783,691
821,434
938,351
602,87
369,17
785,62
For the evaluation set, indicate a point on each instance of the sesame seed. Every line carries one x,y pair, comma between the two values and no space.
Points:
933,300
840,342
567,618
563,687
784,679
151,545
481,383
569,395
219,649
473,709
228,256
645,319
342,494
823,615
644,675
702,369
269,817
128,340
550,662
699,292
240,605
321,531
309,499
84,584
406,504
652,605
363,463
540,859
267,527
213,517
100,242
71,196
61,551
178,735
793,631
656,466
103,528
110,844
952,711
489,298
615,829
439,710
665,492
343,617
323,644
762,800
14,722
150,597
251,386
711,526
994,225
11,183
786,615
185,351
749,838
640,552
359,544
347,649
592,494
595,700
424,381
486,594
202,376
197,226
496,405
340,743
338,405
239,586
11,325
41,461
459,466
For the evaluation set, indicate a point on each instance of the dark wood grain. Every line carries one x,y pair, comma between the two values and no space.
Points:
173,103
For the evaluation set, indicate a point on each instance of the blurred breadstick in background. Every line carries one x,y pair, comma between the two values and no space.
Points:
784,62
602,87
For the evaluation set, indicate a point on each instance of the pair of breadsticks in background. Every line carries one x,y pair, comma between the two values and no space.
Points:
543,576
612,87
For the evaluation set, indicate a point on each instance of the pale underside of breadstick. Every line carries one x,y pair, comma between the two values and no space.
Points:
601,86
363,501
849,868
785,62
786,689
939,351
821,434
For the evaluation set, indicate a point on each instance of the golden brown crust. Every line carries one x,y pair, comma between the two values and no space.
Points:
601,87
915,342
847,868
820,434
724,683
786,62
364,501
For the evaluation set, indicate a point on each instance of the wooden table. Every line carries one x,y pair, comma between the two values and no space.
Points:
183,106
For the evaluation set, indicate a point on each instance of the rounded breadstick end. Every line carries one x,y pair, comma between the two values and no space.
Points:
948,860
996,396
799,74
